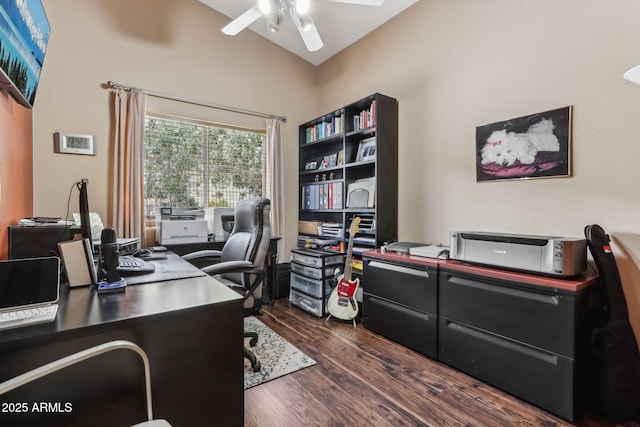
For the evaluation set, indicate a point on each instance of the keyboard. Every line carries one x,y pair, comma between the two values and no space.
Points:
29,316
127,264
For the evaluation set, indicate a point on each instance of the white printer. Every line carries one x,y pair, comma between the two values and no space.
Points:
178,226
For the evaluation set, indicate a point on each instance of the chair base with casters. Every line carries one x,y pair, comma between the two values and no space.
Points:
81,356
255,363
240,264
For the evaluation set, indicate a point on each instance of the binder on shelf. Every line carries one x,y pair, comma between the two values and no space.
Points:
325,195
314,197
337,195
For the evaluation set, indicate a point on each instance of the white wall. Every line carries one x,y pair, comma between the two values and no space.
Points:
456,64
169,46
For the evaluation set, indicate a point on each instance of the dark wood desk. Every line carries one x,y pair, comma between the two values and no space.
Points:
191,329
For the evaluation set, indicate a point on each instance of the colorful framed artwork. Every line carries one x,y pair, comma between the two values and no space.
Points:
24,35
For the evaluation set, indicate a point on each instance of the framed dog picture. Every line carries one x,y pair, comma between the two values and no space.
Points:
533,146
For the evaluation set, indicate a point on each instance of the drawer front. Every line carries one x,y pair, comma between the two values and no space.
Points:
410,328
413,287
315,306
540,377
316,259
317,273
542,320
313,287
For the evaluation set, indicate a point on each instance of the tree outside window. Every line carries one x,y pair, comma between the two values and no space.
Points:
195,165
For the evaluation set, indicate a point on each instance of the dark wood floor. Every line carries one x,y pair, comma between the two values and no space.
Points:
362,378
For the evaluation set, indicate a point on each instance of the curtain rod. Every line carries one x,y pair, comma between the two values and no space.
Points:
196,102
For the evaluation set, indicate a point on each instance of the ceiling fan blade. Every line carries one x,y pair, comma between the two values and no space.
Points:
242,21
308,32
361,2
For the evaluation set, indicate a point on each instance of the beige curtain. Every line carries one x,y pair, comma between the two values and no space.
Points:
275,180
127,202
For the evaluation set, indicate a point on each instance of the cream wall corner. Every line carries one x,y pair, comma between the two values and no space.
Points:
169,46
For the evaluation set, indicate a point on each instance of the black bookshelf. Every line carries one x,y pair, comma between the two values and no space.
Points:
336,156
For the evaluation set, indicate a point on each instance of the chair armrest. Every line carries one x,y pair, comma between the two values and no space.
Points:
81,356
231,267
238,267
210,253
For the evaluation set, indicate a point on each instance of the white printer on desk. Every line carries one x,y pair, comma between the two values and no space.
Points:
178,226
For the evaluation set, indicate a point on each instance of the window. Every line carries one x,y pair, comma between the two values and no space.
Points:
193,164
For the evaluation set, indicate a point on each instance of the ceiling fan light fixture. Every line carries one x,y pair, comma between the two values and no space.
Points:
633,75
305,22
303,6
275,21
265,6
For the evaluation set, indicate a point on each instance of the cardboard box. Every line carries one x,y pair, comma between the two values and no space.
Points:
309,227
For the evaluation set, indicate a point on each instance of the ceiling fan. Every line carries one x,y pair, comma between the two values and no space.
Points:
275,11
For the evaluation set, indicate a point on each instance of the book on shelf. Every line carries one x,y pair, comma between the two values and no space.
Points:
325,129
366,118
322,195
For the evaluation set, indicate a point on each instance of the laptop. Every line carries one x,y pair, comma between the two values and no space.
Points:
29,291
96,232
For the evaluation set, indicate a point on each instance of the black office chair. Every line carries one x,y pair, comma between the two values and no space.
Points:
240,263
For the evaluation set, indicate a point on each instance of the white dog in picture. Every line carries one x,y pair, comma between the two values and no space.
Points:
505,148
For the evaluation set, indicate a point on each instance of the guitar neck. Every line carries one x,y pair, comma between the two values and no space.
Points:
352,234
348,269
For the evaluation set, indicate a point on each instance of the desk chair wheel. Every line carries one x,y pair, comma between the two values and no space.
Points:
255,363
253,336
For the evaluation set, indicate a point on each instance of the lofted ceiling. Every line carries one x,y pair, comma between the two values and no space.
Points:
339,24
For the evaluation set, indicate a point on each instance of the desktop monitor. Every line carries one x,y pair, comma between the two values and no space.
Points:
85,223
36,241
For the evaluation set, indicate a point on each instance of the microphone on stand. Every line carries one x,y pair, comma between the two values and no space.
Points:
109,255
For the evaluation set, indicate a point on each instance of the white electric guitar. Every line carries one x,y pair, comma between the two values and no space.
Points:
342,301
